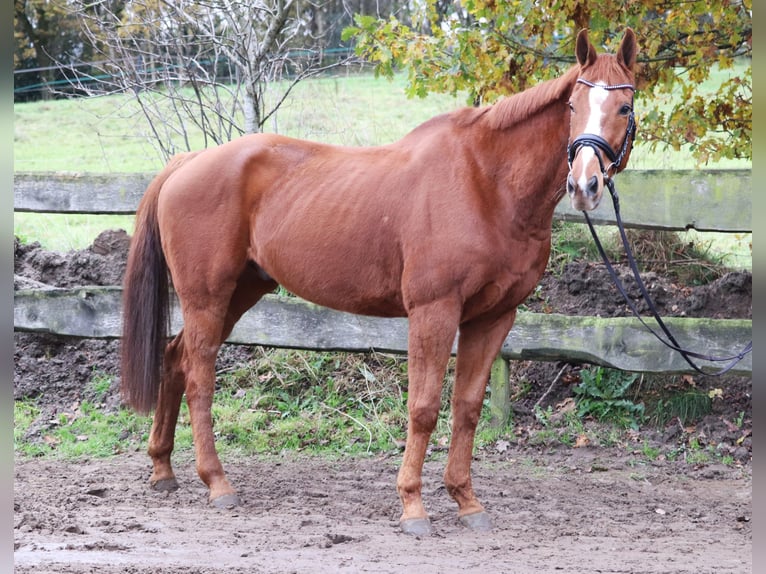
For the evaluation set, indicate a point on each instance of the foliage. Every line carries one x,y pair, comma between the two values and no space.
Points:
489,48
602,395
191,65
51,32
43,30
227,52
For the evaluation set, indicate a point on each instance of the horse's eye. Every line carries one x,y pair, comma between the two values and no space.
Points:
625,110
571,107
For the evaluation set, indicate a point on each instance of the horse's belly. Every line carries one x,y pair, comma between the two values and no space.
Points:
352,279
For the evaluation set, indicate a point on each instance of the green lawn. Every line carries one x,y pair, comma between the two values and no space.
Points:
109,134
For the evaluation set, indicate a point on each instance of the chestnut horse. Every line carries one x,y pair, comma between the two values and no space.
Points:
450,227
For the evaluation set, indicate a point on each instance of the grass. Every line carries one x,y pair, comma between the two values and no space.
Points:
64,232
281,400
84,431
332,404
323,403
108,135
675,398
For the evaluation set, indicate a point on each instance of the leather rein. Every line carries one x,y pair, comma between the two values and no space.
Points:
598,143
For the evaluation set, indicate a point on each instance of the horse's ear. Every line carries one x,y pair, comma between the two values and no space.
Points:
626,55
584,50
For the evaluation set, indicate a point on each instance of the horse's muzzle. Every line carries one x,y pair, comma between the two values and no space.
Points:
584,198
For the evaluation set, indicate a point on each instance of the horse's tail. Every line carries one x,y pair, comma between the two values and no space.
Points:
146,302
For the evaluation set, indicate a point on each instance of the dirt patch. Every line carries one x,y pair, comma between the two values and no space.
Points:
552,506
572,511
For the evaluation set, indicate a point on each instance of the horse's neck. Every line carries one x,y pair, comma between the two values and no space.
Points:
529,133
531,157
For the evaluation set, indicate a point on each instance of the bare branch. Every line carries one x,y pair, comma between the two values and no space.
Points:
199,66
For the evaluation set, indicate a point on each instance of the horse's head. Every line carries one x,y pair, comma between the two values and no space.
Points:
602,123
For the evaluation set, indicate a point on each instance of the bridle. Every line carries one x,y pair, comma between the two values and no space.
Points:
598,143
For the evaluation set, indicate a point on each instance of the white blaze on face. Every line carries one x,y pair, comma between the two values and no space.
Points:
596,98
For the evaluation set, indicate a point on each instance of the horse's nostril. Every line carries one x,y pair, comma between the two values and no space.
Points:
570,184
592,186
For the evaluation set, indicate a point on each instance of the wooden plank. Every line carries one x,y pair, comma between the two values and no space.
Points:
709,200
92,313
705,200
624,343
78,192
620,343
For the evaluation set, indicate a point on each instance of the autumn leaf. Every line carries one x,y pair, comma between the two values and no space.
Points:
581,441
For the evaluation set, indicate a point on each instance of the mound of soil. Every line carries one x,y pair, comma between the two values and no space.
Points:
586,288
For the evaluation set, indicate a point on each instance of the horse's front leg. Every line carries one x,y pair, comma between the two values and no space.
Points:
432,329
479,344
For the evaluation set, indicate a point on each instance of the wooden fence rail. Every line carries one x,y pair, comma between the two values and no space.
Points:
654,199
706,200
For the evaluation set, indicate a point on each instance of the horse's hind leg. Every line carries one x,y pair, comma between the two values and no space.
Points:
190,366
203,325
162,435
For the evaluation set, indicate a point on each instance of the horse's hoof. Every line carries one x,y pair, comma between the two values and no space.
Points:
417,527
478,521
165,485
226,502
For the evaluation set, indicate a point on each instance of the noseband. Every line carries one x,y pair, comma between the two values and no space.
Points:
597,142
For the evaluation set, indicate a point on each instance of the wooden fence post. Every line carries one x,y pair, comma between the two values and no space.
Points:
500,394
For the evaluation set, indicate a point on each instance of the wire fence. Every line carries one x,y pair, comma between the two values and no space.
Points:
85,78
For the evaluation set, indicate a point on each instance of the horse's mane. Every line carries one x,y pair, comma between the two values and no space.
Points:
521,106
517,108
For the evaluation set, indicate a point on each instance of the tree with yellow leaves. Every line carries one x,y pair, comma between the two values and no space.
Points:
488,48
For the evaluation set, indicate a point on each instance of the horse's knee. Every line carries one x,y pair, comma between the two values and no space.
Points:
423,418
465,415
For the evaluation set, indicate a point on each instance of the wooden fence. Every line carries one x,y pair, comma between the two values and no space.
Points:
669,200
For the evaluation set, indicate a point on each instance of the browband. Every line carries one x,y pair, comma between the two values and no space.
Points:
614,87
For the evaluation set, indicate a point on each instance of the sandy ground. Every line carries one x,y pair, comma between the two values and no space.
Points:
574,510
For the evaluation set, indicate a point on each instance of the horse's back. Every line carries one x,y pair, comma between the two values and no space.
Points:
340,226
